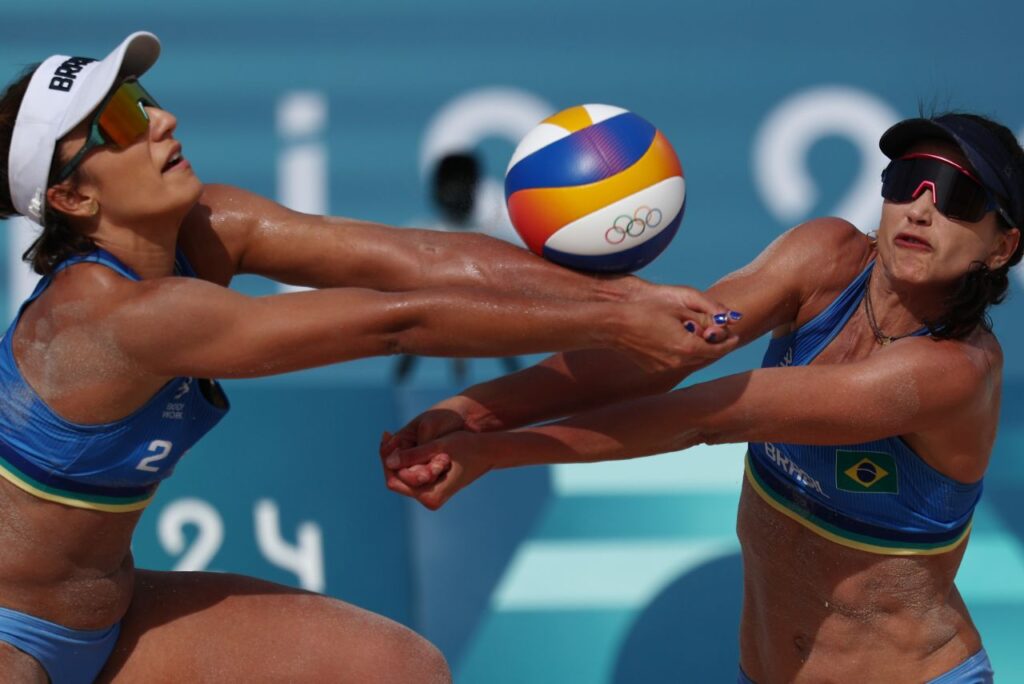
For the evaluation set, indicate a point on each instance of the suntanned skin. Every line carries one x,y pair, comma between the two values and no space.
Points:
813,610
96,346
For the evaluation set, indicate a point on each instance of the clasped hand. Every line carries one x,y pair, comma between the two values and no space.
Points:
450,445
433,472
669,327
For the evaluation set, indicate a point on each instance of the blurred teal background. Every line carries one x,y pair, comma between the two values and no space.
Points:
609,573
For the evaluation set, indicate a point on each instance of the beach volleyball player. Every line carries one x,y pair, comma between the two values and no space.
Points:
870,424
132,312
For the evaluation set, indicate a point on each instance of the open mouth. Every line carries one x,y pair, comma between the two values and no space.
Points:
912,241
174,160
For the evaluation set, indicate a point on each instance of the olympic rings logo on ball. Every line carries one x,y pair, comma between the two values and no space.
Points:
632,226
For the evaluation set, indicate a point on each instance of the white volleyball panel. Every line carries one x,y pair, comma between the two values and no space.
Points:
602,112
541,136
624,224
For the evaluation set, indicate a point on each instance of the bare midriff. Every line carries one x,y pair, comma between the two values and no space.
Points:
816,611
70,566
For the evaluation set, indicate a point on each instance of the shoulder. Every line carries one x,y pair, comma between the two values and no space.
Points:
79,298
964,372
831,245
979,353
91,281
215,233
100,290
818,259
822,242
224,209
946,393
828,231
983,351
231,200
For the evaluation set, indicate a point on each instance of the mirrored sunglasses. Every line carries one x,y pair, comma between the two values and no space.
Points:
120,120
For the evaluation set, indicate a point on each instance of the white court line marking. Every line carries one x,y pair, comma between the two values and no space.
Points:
704,468
616,574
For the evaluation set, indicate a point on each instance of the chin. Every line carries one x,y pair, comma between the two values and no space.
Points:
910,269
197,190
182,201
913,268
186,194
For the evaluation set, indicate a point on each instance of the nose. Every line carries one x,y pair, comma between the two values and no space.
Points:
161,123
921,208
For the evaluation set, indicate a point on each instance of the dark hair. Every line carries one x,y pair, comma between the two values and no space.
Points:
982,287
58,239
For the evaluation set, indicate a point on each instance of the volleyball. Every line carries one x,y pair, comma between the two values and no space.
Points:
596,188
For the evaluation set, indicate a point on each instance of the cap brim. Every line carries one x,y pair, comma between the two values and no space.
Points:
133,57
140,51
902,136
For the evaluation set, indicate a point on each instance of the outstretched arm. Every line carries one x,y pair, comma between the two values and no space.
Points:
895,391
771,292
217,332
234,231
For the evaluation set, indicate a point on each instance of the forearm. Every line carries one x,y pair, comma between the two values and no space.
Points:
630,429
443,259
244,337
334,252
797,405
563,384
257,235
458,322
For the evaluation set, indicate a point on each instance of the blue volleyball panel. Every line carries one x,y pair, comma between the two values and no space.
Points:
586,156
626,261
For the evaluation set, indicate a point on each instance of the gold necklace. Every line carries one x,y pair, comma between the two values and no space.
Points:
880,336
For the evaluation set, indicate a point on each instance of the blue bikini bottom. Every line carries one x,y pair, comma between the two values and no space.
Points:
975,670
69,656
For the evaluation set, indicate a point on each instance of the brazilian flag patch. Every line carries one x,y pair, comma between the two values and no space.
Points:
866,471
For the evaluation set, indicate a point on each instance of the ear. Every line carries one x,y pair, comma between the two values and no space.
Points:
1006,245
71,201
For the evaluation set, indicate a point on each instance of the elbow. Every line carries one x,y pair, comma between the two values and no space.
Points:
392,343
687,439
411,335
718,437
715,435
403,318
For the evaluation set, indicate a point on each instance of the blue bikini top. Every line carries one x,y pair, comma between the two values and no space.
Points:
877,496
113,466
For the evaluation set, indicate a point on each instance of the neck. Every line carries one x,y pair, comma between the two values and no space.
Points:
150,253
895,309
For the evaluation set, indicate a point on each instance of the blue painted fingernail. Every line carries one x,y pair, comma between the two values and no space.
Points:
712,337
690,326
735,315
720,319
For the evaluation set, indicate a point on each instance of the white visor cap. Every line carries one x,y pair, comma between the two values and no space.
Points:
63,91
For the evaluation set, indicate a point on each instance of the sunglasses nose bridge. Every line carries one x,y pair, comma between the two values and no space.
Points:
925,185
